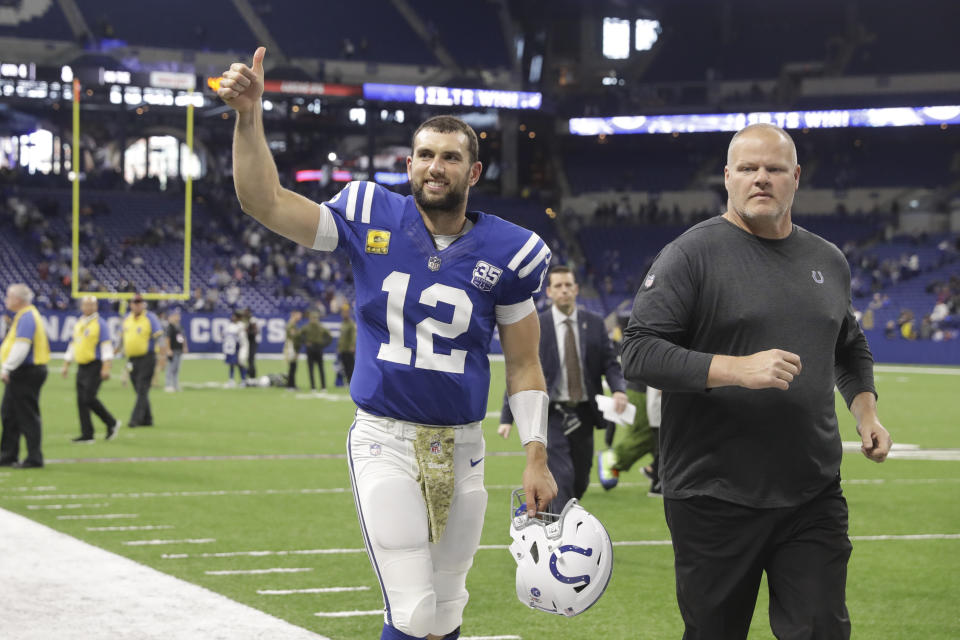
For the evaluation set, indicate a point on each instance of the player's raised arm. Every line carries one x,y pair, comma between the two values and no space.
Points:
254,172
528,399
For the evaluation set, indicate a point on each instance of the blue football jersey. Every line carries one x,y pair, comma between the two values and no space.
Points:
231,338
425,317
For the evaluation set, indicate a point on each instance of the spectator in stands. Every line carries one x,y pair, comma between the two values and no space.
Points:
175,346
316,338
24,354
750,448
141,331
908,329
940,312
92,348
199,301
291,347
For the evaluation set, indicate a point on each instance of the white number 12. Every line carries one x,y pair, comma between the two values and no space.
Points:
396,285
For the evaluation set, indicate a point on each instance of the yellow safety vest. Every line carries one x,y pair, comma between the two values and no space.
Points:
88,334
39,345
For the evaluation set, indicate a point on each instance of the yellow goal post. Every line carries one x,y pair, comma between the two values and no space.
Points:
75,240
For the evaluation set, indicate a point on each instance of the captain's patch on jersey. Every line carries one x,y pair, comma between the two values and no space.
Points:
378,241
485,276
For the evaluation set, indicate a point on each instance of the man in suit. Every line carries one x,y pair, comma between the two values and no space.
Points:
575,353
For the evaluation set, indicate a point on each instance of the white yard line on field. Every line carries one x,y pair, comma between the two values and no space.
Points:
909,451
945,454
938,371
36,507
348,614
290,592
55,586
143,543
170,494
146,527
256,572
501,547
100,516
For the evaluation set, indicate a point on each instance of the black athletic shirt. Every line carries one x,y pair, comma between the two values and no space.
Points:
720,290
175,338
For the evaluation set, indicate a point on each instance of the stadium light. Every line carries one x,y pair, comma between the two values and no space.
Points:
646,33
616,39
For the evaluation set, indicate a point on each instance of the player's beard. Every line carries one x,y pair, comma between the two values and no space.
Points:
448,203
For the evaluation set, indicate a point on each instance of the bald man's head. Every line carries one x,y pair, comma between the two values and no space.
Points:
762,130
88,305
761,178
19,296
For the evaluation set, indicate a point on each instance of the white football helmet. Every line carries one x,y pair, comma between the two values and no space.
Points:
564,562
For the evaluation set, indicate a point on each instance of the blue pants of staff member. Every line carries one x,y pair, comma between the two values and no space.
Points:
570,449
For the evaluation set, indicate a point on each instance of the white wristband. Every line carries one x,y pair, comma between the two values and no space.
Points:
529,410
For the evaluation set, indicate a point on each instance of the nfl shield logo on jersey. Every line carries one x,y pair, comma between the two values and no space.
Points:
435,447
485,276
375,449
434,263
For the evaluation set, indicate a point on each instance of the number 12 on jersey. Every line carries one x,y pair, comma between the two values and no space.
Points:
396,285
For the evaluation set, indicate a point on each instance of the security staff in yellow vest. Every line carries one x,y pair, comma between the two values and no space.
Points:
24,355
141,329
92,348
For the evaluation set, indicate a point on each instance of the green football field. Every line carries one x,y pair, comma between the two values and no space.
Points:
228,472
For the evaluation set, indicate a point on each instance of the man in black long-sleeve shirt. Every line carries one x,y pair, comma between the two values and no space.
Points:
745,323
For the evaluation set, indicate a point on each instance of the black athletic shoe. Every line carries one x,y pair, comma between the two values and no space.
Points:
8,463
112,431
28,464
82,440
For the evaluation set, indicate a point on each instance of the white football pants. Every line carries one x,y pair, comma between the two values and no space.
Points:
423,583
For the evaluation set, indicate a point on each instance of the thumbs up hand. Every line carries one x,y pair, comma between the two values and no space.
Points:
241,86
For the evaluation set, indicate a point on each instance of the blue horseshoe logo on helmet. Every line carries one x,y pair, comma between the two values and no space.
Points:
585,579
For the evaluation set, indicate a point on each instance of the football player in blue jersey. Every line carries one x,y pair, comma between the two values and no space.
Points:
433,281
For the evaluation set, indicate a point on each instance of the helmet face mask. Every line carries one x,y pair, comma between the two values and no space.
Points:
564,561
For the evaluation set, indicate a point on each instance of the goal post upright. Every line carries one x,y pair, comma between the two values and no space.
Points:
75,163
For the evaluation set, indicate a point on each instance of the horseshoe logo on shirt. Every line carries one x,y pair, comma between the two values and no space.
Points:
817,276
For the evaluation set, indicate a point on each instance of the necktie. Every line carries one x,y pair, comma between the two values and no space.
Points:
571,363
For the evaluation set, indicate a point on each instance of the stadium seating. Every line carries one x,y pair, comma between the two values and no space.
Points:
928,45
474,38
213,25
375,30
51,24
739,37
